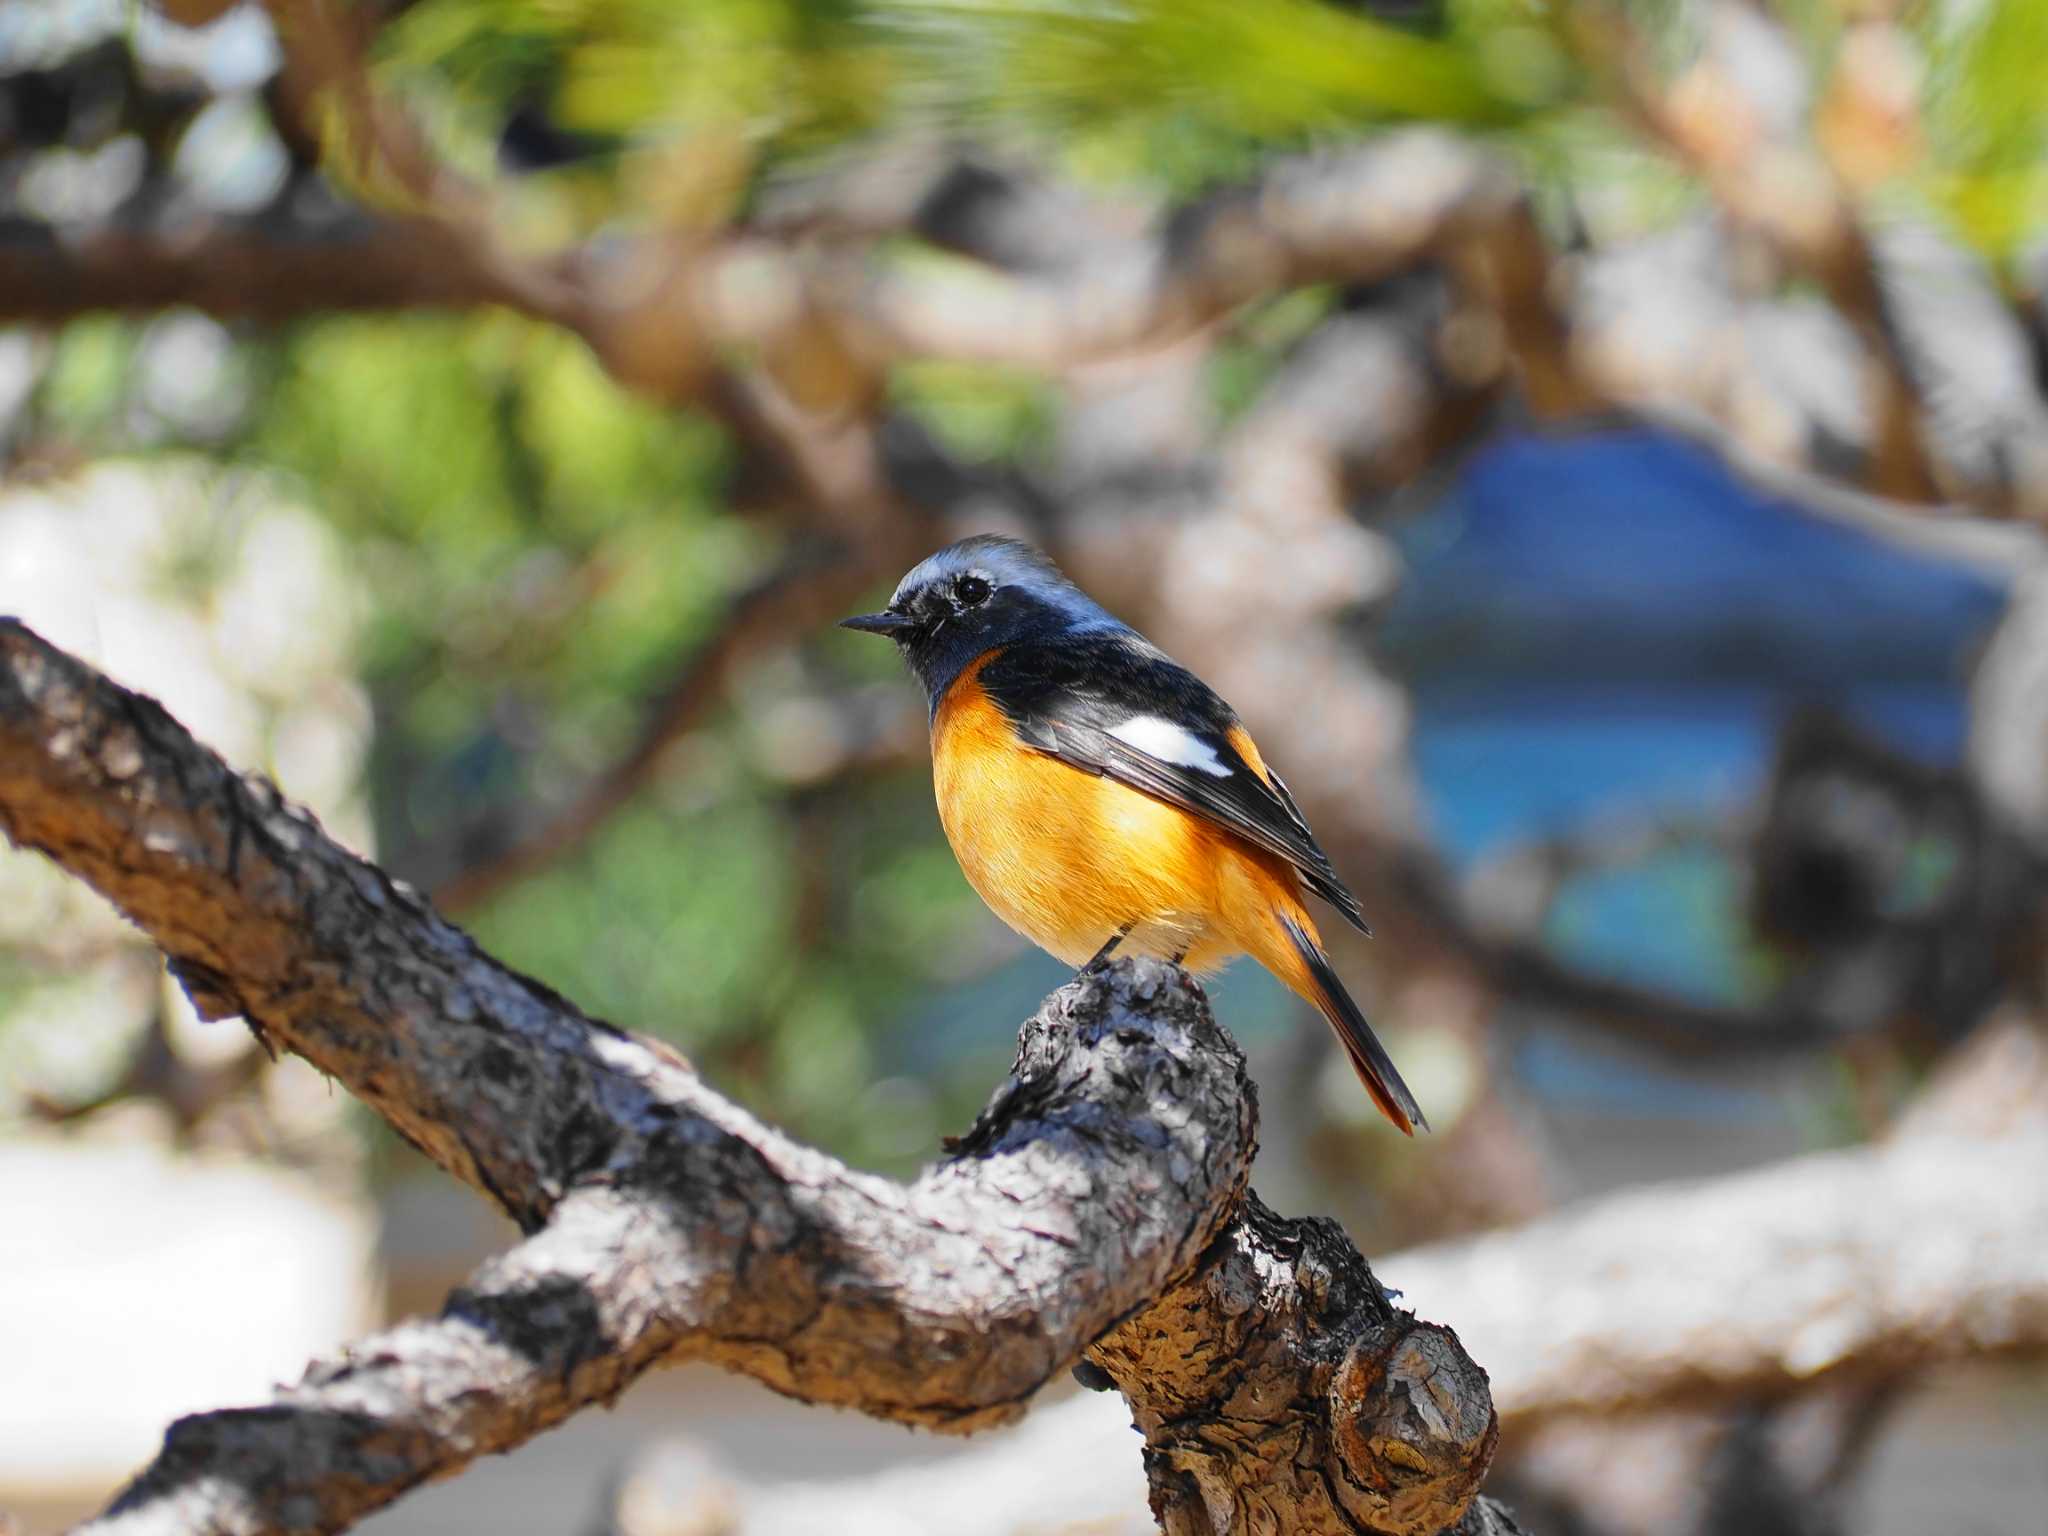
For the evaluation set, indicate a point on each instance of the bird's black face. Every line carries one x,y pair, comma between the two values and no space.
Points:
973,596
945,619
919,612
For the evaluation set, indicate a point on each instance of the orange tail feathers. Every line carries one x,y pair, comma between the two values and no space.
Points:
1317,982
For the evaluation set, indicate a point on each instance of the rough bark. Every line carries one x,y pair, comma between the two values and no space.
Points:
1102,1189
995,1487
1278,1388
1799,1296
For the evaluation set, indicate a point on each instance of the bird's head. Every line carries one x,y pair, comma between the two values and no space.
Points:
975,596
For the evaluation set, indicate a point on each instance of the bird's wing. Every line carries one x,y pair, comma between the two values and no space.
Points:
1113,704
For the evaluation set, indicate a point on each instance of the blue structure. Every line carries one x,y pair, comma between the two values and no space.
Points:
1611,624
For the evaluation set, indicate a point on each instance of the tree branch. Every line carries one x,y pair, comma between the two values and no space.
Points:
514,1091
819,306
1812,1287
1856,1265
272,267
666,1224
1353,216
1278,1375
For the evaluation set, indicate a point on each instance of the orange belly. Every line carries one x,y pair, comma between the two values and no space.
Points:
1067,858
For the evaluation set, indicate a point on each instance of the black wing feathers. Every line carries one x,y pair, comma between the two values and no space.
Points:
1068,699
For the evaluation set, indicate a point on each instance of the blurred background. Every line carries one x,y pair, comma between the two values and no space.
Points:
1599,448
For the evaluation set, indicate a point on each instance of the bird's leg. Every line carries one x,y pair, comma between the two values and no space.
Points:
1101,956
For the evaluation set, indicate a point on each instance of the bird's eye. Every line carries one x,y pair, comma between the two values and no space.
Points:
971,591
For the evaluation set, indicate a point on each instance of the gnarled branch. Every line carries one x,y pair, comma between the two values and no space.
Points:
1101,1195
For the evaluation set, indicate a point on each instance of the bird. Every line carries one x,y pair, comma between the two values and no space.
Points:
1099,795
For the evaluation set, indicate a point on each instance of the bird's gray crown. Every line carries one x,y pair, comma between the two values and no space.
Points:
1011,563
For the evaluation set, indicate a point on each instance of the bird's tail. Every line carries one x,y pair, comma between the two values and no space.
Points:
1317,981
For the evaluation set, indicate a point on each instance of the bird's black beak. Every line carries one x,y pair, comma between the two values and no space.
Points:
883,623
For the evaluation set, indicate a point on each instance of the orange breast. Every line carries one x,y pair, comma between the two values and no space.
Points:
1067,858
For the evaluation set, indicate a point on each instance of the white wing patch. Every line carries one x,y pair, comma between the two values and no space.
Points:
1171,743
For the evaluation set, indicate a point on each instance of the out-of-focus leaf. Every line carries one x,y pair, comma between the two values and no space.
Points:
1986,118
1279,69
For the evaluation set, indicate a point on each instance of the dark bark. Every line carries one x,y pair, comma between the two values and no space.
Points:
274,268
